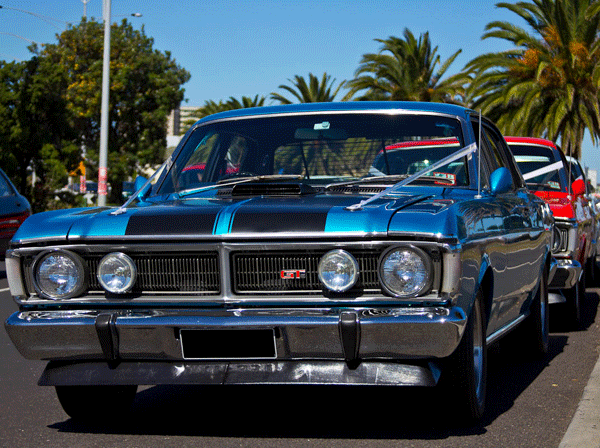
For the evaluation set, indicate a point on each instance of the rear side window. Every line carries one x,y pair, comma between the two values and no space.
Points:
5,189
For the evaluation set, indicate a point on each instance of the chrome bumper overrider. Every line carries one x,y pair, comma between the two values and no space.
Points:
300,334
568,273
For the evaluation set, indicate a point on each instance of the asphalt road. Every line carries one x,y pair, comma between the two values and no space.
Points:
530,404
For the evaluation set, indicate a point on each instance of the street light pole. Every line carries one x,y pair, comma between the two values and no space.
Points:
85,2
103,159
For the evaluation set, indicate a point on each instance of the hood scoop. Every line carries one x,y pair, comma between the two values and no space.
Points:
268,189
357,189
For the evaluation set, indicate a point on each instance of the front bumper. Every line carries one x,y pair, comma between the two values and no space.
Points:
300,333
568,273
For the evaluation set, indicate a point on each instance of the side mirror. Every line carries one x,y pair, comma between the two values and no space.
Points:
578,187
138,185
501,181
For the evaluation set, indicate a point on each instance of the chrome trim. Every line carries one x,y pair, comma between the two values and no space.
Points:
227,294
568,273
232,236
302,333
504,330
394,111
279,243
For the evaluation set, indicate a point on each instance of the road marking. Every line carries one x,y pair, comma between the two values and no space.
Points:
4,289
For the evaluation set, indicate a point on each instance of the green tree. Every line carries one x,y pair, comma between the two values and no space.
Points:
313,91
145,85
548,84
33,124
405,70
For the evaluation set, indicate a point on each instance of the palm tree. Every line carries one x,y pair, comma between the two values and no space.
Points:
211,107
246,102
404,69
548,85
314,91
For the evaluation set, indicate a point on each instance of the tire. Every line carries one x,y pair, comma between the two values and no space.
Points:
590,272
535,330
96,403
465,376
575,299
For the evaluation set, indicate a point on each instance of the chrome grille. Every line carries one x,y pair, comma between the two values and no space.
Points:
191,273
261,272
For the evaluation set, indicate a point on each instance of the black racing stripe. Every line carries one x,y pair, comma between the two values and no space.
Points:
284,221
180,223
283,215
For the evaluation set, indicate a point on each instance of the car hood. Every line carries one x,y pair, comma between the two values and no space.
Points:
302,216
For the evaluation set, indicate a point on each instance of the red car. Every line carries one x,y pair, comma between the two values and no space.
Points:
14,209
548,175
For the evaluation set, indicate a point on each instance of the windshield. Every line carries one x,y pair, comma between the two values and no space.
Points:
320,149
539,166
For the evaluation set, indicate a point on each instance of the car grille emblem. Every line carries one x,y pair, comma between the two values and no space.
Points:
288,274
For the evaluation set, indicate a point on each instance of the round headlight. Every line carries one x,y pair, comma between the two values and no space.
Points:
116,273
556,240
338,270
59,275
405,271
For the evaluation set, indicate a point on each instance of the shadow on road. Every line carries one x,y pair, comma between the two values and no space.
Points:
325,411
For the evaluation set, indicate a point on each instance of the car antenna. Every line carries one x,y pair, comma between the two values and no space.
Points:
570,180
479,160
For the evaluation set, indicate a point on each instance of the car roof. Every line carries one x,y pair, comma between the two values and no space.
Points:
343,106
530,141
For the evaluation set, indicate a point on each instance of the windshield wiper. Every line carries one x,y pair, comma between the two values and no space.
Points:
240,180
391,177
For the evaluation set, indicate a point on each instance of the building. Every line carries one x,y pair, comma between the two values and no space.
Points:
178,123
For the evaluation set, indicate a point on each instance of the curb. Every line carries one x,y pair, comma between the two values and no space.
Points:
584,430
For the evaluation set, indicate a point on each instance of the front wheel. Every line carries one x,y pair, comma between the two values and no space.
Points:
96,403
465,376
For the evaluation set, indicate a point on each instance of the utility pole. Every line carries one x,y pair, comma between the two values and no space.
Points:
104,123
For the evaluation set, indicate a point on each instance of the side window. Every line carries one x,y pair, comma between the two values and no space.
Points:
502,152
495,150
5,189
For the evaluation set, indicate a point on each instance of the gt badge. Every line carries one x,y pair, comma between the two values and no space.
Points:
293,273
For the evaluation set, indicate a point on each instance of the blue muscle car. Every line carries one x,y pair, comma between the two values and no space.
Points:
372,243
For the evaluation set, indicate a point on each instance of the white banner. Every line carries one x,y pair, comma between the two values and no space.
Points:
547,169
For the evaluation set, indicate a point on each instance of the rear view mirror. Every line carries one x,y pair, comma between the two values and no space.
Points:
320,134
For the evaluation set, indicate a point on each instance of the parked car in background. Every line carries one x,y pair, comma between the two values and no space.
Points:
14,209
265,251
128,188
577,172
546,172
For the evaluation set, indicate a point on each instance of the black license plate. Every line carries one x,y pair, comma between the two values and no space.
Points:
228,344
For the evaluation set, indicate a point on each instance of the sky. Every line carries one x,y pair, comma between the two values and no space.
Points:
235,48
